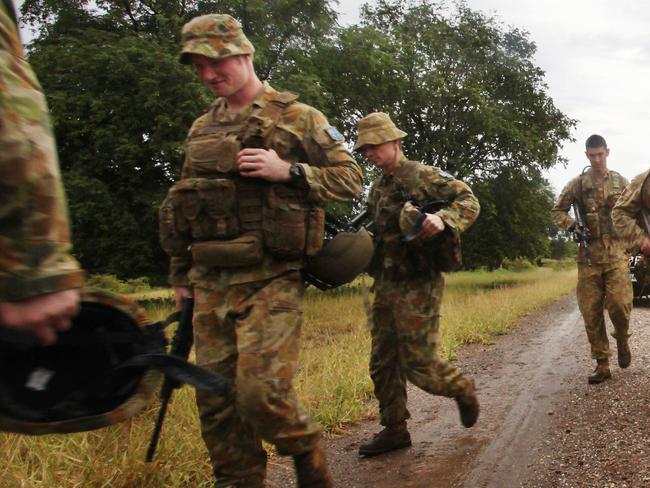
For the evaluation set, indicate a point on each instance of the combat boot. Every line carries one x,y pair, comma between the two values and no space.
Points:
389,439
624,354
311,469
468,405
601,373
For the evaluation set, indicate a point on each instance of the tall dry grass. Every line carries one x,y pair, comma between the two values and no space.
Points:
332,382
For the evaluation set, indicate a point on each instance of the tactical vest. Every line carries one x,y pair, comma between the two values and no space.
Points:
394,258
598,212
415,258
227,220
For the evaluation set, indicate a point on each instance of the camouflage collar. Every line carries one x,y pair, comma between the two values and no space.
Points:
266,94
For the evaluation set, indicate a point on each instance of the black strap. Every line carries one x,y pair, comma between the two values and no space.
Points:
180,370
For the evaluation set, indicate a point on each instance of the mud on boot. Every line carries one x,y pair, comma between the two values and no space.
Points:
468,406
389,439
601,373
311,469
624,354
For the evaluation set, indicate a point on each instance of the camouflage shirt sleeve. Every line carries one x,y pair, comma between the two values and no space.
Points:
330,170
626,211
561,208
34,233
429,182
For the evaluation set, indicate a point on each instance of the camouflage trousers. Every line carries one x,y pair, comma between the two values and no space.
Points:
404,327
250,333
604,286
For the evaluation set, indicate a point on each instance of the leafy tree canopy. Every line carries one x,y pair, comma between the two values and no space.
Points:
465,89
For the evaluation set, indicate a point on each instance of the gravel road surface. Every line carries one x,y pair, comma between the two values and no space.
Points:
541,424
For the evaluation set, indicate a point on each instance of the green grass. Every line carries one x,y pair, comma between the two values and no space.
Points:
332,383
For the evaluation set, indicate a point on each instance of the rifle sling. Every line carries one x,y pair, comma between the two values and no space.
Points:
180,370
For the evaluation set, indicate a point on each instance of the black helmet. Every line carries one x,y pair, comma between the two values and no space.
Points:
76,384
103,370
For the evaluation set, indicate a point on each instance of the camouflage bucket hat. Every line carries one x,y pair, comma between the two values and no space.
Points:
77,384
215,36
377,128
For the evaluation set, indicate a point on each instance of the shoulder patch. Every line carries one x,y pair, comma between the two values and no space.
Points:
334,134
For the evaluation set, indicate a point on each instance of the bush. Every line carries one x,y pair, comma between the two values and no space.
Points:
517,264
112,283
558,264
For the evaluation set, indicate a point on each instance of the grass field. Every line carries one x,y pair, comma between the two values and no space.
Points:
332,383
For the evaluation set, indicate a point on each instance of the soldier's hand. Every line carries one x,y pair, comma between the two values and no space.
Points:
645,246
431,225
262,163
43,316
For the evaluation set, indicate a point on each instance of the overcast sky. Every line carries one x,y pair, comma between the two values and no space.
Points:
596,55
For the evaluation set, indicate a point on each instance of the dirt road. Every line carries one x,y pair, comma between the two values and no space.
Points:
541,424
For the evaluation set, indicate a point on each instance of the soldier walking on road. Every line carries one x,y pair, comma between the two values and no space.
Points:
238,226
409,282
603,275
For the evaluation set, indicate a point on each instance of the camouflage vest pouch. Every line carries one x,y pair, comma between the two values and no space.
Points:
292,227
442,253
212,151
246,250
207,208
597,211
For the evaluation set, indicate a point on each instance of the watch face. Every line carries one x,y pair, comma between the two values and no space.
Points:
295,171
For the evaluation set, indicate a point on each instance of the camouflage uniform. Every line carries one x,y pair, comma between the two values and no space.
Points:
248,309
406,311
606,283
626,214
34,234
408,285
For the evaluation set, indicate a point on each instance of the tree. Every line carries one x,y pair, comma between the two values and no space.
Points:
121,107
122,104
515,219
466,90
472,101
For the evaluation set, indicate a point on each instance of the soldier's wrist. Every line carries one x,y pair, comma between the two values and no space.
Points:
297,175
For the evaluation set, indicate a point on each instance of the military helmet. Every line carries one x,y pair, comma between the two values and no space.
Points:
215,36
377,128
341,260
77,383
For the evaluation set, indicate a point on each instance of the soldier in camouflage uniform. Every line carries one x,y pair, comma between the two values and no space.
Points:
603,275
258,166
409,282
631,217
38,276
628,218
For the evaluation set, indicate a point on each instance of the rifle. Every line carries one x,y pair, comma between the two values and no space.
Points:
581,231
181,345
333,225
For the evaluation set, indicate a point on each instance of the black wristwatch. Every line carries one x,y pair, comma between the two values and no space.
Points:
296,175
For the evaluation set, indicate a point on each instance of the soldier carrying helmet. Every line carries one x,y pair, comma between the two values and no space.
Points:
409,282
